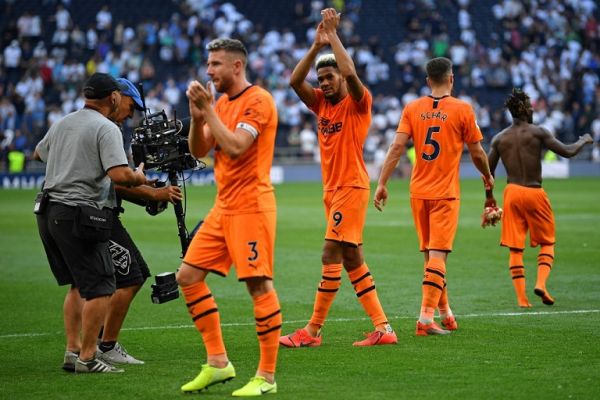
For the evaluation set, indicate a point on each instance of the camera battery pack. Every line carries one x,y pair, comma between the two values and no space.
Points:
165,289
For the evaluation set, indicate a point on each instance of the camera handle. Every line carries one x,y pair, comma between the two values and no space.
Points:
183,236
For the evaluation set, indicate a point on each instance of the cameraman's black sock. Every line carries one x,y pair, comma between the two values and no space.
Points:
107,346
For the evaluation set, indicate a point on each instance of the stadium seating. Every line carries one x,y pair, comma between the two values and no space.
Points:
373,31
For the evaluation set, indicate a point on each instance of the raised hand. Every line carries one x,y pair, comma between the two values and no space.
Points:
199,98
331,19
321,38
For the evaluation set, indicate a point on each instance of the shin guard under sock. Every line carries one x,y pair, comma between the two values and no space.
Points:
364,286
267,314
331,280
517,272
432,288
205,314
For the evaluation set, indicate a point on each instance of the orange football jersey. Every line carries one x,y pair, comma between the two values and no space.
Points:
342,130
244,184
439,128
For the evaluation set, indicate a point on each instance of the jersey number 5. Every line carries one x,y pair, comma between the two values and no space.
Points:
434,143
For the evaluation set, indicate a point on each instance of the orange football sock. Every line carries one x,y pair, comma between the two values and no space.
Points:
517,272
331,280
364,286
443,304
268,328
205,314
432,288
545,260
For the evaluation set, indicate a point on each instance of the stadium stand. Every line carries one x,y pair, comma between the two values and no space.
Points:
550,48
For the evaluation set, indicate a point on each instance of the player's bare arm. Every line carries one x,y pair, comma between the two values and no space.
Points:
493,158
298,82
562,149
494,155
345,64
233,143
200,140
389,164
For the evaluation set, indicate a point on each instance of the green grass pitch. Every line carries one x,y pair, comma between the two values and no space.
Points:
499,352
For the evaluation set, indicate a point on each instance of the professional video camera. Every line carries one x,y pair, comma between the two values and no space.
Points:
162,144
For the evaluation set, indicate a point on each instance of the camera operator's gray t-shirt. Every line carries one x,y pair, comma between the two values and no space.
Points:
78,150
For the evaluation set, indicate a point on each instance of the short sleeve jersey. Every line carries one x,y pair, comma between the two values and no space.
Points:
244,184
78,150
439,128
342,130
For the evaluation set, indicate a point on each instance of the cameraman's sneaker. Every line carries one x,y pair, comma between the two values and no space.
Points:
69,361
209,376
94,366
118,355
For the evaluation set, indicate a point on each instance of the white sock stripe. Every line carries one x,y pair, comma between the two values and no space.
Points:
234,324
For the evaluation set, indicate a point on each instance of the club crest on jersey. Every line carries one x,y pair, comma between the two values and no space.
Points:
326,127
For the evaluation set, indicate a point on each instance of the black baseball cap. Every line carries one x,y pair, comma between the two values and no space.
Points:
100,85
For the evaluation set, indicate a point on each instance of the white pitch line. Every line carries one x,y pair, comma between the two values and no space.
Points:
233,324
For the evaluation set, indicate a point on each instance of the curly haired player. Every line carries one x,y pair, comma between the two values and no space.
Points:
526,205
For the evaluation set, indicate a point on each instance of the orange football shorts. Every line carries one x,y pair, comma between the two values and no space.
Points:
436,222
525,209
245,240
346,212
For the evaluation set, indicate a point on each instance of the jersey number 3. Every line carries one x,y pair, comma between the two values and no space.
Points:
434,143
253,251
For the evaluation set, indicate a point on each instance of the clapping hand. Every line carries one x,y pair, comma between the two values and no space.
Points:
321,38
331,19
199,98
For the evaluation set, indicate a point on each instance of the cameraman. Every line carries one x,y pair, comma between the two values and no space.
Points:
131,270
84,155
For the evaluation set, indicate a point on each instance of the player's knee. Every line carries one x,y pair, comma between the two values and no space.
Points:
332,253
352,257
187,275
259,286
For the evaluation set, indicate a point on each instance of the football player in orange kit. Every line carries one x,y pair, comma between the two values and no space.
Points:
526,205
240,228
439,126
343,108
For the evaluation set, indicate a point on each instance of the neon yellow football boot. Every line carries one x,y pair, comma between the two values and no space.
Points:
209,376
256,387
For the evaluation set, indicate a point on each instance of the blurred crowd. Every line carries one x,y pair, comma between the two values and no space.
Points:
550,48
